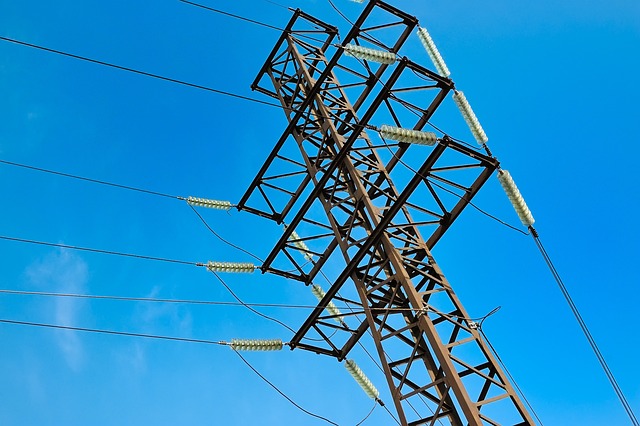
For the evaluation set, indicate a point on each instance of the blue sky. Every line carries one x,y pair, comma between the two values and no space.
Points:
554,85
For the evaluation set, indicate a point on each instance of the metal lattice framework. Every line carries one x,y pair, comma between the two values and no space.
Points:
329,179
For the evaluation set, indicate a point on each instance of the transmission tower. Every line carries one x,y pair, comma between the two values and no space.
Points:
329,181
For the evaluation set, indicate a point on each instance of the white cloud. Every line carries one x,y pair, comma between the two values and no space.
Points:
153,315
64,272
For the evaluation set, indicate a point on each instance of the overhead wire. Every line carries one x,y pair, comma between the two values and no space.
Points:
231,15
223,239
101,251
585,329
173,338
101,182
375,403
249,307
182,301
132,188
136,71
508,373
252,21
119,333
281,392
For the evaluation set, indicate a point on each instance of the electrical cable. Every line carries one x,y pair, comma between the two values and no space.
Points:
93,250
252,21
101,182
180,301
278,4
146,191
584,328
255,311
341,14
504,367
353,23
391,414
222,12
153,336
368,415
135,71
152,299
119,333
222,239
280,392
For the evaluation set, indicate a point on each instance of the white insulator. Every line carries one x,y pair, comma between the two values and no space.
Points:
433,52
362,380
408,135
212,204
369,54
256,345
470,117
231,267
319,293
300,245
357,1
515,197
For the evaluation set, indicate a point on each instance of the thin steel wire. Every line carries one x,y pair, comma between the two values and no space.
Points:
94,250
280,392
101,182
585,329
135,71
119,333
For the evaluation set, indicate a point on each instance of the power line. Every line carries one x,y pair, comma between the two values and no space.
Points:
375,403
222,12
159,337
221,238
282,393
135,71
94,250
585,329
153,299
253,21
504,367
119,333
173,338
255,311
186,301
101,182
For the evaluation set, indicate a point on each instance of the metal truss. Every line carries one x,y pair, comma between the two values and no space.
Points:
329,179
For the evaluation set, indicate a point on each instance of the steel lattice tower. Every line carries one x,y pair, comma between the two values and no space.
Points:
329,182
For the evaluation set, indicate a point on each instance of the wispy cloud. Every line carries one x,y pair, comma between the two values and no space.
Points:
63,271
164,315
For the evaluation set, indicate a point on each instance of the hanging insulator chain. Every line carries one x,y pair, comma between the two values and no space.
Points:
368,54
470,117
319,293
516,198
212,204
433,52
408,135
361,379
256,344
231,267
300,245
